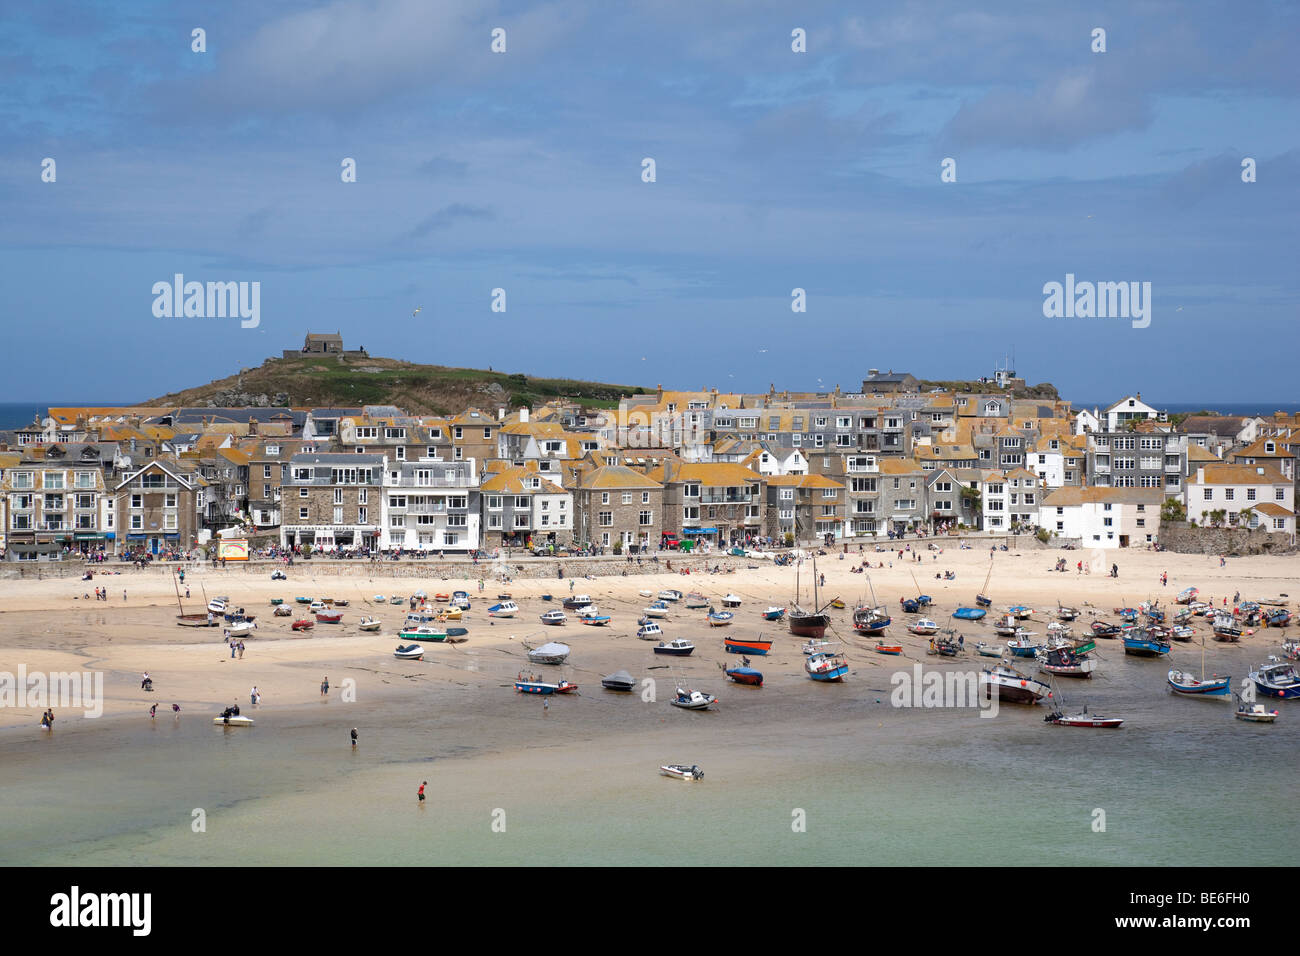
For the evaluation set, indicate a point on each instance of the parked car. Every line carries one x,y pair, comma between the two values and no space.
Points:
669,541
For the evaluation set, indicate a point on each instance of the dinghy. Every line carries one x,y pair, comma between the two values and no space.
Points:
745,675
774,613
694,601
681,772
409,652
731,601
233,721
969,613
692,700
719,618
658,609
369,624
826,668
1255,713
550,653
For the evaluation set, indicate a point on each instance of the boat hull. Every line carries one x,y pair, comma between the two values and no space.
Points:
746,675
759,648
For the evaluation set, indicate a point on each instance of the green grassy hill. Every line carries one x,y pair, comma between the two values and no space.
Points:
418,389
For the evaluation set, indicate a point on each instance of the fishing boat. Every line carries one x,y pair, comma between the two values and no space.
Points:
695,601
554,617
719,618
575,601
1276,680
303,625
1065,662
743,645
1066,613
329,617
923,626
620,681
549,653
409,652
678,647
658,609
871,621
1005,626
424,632
369,624
818,647
531,686
1129,614
1011,685
670,594
1278,618
283,611
969,613
1187,595
731,601
1083,719
1105,630
826,668
892,650
1020,612
1255,713
744,674
982,599
1182,632
566,687
1023,646
1058,629
774,613
1291,649
692,699
1226,629
503,609
944,647
650,631
989,650
1199,608
681,772
1183,683
233,721
1140,643
807,623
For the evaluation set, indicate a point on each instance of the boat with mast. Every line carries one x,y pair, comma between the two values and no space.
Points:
1183,683
804,623
982,599
202,619
872,620
1081,719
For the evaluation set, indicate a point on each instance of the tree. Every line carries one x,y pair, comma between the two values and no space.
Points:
1173,510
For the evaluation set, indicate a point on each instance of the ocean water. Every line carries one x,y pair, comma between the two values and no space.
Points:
20,414
795,772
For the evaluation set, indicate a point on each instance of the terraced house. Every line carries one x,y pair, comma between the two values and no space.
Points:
431,506
617,504
810,507
1251,496
333,501
53,505
718,502
522,506
158,505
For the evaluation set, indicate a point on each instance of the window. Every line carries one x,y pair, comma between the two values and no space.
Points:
1209,494
397,521
137,522
361,515
604,497
627,497
645,497
1229,494
829,492
605,519
137,501
302,492
302,514
787,494
338,496
1250,494
363,496
645,518
338,515
487,434
691,513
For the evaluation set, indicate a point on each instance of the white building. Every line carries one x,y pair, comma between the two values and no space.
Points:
1127,409
1103,517
1261,490
431,506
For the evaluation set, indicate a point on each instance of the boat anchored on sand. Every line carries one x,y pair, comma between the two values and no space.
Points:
1010,685
692,700
680,771
550,653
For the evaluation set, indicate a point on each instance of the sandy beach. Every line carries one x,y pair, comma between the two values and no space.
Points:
48,625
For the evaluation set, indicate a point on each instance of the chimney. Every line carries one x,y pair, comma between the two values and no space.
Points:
1200,475
252,425
501,413
872,372
523,415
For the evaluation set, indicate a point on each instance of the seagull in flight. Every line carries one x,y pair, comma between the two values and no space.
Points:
417,311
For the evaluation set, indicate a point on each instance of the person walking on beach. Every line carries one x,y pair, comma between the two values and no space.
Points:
1164,579
354,738
153,711
546,706
325,687
420,792
233,648
241,650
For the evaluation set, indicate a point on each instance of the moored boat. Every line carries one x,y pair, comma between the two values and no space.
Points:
424,632
620,681
1106,630
504,609
235,720
283,611
369,624
719,618
692,699
329,617
1011,685
678,647
1024,646
1138,642
575,601
893,650
1187,595
554,617
923,626
744,674
409,652
774,613
969,613
989,650
1255,713
1065,662
1180,682
741,645
650,631
1277,680
303,625
695,601
592,616
549,653
1083,719
658,610
197,620
670,595
681,772
826,668
532,685
871,621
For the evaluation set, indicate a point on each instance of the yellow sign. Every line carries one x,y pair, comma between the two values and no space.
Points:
232,549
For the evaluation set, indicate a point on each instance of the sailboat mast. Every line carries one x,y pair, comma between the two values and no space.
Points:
177,586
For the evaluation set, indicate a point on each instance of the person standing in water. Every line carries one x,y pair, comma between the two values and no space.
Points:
354,737
420,793
325,687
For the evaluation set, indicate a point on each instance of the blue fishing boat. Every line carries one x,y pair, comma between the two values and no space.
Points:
536,687
719,618
1127,613
826,667
1183,683
1277,680
1140,642
1279,618
969,613
744,674
774,614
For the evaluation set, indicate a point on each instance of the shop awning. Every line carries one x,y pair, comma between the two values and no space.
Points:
699,531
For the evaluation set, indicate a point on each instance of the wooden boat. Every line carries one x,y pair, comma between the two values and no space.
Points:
575,601
1011,685
275,602
719,618
658,609
369,624
774,613
1277,680
1065,662
233,721
923,626
695,601
1183,683
554,617
197,620
989,650
550,653
1226,629
1199,608
871,621
504,609
826,668
303,625
1279,618
1255,713
1139,643
893,650
649,631
329,617
409,652
982,599
1105,630
745,675
804,623
500,597
692,699
1129,614
1023,646
731,601
620,681
679,647
1187,595
969,613
670,594
681,772
1066,613
738,645
1005,626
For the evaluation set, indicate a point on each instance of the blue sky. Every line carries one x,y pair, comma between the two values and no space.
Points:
775,170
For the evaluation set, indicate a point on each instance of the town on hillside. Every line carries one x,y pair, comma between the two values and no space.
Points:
689,470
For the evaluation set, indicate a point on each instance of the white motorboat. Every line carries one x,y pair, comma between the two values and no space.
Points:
693,700
554,617
549,653
923,626
819,647
409,652
241,629
731,601
235,721
1011,685
650,631
682,772
670,594
657,609
218,605
504,609
369,624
